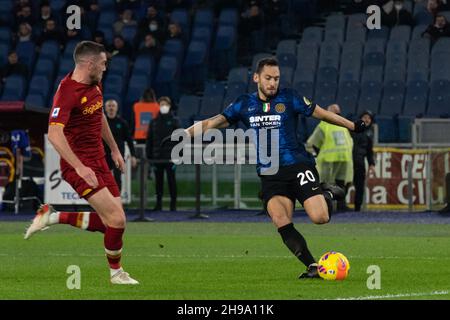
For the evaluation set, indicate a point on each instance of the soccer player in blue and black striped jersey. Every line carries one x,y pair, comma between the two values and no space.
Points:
296,178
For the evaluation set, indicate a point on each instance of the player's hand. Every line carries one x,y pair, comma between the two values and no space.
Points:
118,160
88,175
360,126
133,162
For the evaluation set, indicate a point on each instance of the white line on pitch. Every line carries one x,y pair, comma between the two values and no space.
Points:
400,295
221,256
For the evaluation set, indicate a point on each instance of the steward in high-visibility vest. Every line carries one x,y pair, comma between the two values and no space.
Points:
334,146
144,113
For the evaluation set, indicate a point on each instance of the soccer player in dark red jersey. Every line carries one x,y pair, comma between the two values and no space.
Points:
76,128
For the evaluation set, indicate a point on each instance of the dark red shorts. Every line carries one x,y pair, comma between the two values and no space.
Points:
102,172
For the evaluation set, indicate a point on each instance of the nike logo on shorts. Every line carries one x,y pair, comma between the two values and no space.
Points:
314,189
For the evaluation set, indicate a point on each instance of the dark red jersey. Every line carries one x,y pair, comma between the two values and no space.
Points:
78,108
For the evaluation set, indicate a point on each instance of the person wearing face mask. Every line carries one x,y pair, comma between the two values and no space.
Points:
160,153
394,14
333,146
156,29
363,148
440,28
126,19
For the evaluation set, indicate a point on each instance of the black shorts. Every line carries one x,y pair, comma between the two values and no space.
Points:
299,181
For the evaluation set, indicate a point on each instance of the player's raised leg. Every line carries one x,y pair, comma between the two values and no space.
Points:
280,209
46,216
111,211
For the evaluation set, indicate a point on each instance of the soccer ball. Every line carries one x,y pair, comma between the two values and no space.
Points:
333,266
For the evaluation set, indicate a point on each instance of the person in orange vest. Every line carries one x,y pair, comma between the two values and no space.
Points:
144,112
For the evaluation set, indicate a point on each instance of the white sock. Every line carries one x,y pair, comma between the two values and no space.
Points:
53,218
113,272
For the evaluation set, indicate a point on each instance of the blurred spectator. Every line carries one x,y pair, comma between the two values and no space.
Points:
121,133
120,47
144,111
163,126
99,37
433,7
151,47
152,14
126,19
25,16
274,9
440,28
394,13
13,67
362,149
333,145
357,6
45,14
155,29
19,4
445,5
252,25
174,31
51,32
24,33
74,35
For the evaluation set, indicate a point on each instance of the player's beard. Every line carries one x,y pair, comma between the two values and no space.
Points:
267,94
95,79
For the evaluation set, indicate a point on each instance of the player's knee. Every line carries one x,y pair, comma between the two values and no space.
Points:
117,220
321,218
280,220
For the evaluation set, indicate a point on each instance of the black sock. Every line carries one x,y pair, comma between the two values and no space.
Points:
296,243
329,199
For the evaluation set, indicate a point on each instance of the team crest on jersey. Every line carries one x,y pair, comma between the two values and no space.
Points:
280,108
55,112
83,100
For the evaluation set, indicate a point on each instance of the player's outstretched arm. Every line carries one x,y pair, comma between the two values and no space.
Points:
333,118
58,140
219,121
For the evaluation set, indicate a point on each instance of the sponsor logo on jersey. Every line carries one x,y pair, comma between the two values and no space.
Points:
55,112
268,121
280,108
92,108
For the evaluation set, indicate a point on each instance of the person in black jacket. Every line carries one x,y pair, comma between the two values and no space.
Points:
440,28
160,128
362,149
121,133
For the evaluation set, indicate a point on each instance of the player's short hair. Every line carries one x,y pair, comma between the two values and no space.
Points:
165,99
272,62
87,48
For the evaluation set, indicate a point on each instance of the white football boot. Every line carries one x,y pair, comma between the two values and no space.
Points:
122,277
40,221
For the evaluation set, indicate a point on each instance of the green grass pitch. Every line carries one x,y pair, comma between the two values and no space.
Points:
206,260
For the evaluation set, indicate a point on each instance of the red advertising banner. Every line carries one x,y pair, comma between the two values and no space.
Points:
389,188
